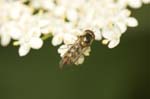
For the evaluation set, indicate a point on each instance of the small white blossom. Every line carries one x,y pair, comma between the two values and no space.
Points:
132,3
146,1
135,3
132,22
30,37
24,50
112,36
65,21
45,4
67,38
10,14
5,39
63,49
64,34
36,43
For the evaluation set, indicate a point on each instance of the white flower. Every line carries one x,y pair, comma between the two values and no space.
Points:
30,38
72,15
9,16
146,1
135,3
132,22
63,49
112,36
28,43
64,34
24,50
66,37
65,20
132,3
9,30
5,39
45,4
34,43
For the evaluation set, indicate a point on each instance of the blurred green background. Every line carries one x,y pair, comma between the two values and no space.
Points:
119,73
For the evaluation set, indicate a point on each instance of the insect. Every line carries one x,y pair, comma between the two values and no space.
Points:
78,48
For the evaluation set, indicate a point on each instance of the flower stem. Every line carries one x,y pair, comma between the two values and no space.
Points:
45,37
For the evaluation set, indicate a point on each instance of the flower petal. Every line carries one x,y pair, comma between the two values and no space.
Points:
24,50
5,39
72,15
122,26
135,3
146,1
113,43
57,39
36,43
69,39
97,34
106,33
15,33
132,22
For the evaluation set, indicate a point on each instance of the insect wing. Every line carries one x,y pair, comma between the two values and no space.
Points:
81,52
64,60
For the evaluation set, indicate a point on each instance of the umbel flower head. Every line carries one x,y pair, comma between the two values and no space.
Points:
29,22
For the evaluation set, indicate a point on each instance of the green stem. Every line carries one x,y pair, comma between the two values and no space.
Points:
45,37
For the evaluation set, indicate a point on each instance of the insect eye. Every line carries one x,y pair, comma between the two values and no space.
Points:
88,38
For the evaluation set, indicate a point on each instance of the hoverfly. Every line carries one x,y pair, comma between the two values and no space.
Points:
78,48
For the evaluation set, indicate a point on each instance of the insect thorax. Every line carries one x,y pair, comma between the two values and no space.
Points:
87,39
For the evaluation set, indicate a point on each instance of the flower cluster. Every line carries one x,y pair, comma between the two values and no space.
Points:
28,22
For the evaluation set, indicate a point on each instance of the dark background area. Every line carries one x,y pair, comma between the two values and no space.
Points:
119,73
